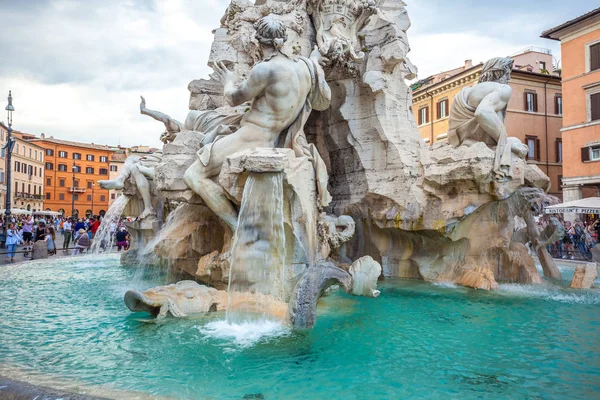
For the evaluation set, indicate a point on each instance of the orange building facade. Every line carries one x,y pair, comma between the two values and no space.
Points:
63,183
580,47
534,113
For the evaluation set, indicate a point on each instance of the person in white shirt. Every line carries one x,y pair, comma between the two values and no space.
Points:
68,229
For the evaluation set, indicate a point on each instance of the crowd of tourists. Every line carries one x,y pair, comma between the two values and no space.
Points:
79,233
579,239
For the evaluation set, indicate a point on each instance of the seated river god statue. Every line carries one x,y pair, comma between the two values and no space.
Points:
477,114
283,91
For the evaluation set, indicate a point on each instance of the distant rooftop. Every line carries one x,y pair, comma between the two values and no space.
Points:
70,143
530,49
547,34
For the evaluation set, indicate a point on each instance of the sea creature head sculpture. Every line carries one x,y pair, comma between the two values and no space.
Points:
497,70
271,32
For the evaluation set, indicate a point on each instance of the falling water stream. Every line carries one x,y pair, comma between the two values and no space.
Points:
256,276
104,239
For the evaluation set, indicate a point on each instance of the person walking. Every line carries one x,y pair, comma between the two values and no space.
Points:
12,240
28,230
68,232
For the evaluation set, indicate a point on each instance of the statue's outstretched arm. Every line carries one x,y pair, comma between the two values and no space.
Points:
245,91
171,124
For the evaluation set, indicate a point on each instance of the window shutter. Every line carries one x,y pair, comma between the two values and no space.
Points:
595,103
420,117
537,149
557,144
595,57
438,111
535,108
556,105
585,154
525,101
426,114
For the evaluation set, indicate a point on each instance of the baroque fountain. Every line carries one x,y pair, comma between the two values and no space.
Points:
299,169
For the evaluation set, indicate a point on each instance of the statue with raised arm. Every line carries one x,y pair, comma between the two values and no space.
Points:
478,112
173,127
283,91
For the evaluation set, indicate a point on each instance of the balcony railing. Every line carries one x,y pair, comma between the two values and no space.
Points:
76,190
23,195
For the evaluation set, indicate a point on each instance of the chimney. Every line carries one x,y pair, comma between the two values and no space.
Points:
43,135
468,64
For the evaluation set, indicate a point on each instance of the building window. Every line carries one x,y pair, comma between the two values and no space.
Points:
594,56
2,152
594,107
89,170
112,196
61,196
48,181
62,154
103,171
442,109
102,197
76,156
48,196
24,168
76,196
423,115
114,168
17,166
89,197
103,159
49,152
2,177
89,157
49,166
77,168
533,145
542,66
76,184
559,151
530,102
36,154
90,184
590,153
61,182
62,167
29,153
558,104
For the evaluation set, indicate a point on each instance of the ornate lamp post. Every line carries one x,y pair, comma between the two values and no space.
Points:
93,199
74,169
9,146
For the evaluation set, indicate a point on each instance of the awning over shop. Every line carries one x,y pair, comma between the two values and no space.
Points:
590,205
16,211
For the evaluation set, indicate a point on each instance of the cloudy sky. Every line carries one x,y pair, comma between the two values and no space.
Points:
77,68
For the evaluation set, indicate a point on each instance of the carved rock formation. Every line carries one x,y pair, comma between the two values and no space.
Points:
584,276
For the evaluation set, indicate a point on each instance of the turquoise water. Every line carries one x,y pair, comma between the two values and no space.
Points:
65,319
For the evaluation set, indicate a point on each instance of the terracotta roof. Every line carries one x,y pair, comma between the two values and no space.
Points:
74,144
121,157
546,34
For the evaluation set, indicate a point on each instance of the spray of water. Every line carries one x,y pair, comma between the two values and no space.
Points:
104,240
256,277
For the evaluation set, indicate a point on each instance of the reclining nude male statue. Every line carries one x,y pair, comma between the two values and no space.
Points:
207,123
283,91
477,114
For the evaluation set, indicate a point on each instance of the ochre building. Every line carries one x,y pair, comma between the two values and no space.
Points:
71,172
534,113
27,173
580,48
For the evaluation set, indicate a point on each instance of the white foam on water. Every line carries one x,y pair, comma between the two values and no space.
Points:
244,334
447,285
551,293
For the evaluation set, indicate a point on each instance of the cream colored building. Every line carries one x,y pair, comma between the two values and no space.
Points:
3,135
27,176
116,162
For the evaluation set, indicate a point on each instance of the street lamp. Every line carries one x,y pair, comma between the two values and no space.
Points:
93,198
8,147
74,169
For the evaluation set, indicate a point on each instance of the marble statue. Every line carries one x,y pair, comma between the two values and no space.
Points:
178,300
283,91
477,114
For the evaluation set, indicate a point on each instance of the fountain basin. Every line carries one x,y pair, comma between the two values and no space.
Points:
64,325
